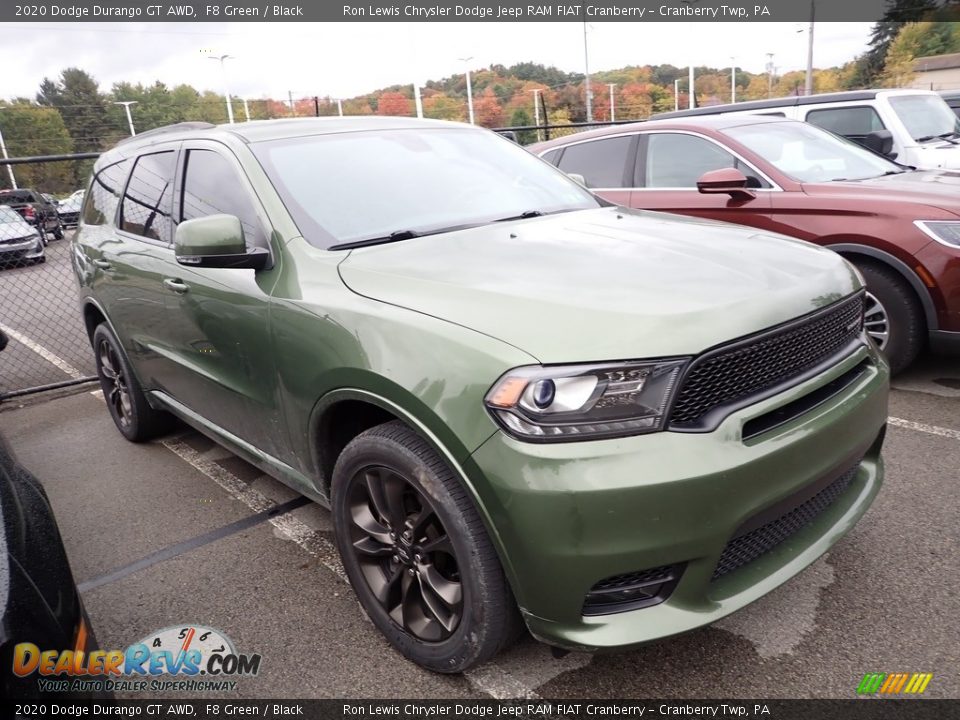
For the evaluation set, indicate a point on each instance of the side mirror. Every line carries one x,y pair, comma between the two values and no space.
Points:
725,181
509,135
577,177
216,241
880,141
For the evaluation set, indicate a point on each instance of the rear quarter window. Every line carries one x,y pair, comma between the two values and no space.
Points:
101,199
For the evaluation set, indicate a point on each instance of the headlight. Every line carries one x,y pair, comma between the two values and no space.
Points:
574,402
945,232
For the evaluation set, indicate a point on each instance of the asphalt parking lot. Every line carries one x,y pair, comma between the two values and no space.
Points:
149,532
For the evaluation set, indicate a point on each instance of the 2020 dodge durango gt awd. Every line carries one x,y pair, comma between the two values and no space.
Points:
519,401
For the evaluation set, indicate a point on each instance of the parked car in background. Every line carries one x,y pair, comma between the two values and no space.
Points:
519,401
19,241
39,603
901,228
69,210
952,99
913,127
35,209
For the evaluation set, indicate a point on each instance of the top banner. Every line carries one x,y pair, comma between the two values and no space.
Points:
448,11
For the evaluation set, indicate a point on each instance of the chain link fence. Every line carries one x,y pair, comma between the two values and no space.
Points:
39,305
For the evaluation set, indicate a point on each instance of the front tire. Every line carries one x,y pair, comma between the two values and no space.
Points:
58,231
417,554
128,406
894,318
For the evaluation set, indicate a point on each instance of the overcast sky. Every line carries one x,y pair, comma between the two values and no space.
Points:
348,59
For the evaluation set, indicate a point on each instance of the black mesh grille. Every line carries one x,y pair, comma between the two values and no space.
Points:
777,356
750,546
641,577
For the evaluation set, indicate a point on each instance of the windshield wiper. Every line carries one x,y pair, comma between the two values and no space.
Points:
942,136
395,236
523,216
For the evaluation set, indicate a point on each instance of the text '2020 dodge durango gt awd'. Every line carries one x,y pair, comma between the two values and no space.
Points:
519,401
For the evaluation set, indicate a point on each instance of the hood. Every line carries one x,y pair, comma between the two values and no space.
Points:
945,155
608,284
932,188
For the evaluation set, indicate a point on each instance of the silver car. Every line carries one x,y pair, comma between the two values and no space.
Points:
19,240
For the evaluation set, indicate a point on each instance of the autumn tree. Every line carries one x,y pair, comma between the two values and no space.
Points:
487,109
920,39
393,103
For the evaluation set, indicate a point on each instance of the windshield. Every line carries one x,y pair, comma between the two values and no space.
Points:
15,197
355,186
926,117
811,155
8,215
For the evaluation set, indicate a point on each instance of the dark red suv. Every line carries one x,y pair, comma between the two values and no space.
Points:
899,226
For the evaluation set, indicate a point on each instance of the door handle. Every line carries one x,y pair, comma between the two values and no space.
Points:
177,286
102,264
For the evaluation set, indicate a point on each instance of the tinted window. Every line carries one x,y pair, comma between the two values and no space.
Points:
100,204
677,161
147,201
551,156
211,186
16,197
348,187
847,121
601,162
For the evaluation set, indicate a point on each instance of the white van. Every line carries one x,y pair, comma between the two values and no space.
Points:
913,127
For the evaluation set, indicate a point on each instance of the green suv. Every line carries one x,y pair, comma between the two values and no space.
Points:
522,404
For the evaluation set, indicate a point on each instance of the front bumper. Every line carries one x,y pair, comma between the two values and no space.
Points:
566,516
13,252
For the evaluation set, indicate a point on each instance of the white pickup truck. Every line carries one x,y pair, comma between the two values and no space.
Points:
913,127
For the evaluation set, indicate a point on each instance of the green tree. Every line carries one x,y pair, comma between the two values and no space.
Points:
521,118
898,14
82,106
28,130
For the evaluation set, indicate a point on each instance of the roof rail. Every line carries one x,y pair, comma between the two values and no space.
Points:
176,127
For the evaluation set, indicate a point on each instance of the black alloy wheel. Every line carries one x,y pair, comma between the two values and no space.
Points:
405,554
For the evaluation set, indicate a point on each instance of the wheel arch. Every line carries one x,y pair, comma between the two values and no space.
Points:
850,250
326,446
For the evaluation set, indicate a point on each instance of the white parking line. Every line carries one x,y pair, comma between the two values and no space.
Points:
923,427
491,679
43,352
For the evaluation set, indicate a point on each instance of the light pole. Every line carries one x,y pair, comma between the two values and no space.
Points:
692,91
586,72
246,110
126,106
3,148
676,94
469,88
808,87
613,111
417,99
770,75
340,107
733,79
223,69
536,109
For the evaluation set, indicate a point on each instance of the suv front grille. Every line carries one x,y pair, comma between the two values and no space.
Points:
756,365
748,546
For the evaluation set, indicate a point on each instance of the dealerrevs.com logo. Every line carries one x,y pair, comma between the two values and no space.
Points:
185,657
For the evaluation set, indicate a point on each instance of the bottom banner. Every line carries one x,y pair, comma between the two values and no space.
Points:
865,709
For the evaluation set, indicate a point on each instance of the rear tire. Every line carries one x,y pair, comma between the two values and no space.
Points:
905,326
417,554
58,232
128,406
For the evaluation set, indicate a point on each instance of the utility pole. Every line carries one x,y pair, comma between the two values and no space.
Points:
733,79
290,98
586,69
246,110
613,111
808,88
340,107
469,88
126,106
536,109
3,148
417,99
316,106
692,92
226,88
770,68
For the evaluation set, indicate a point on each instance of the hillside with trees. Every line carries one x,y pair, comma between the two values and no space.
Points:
72,113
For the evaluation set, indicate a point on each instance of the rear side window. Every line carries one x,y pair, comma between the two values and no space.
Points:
601,162
147,202
675,160
211,186
851,122
101,200
16,197
551,156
